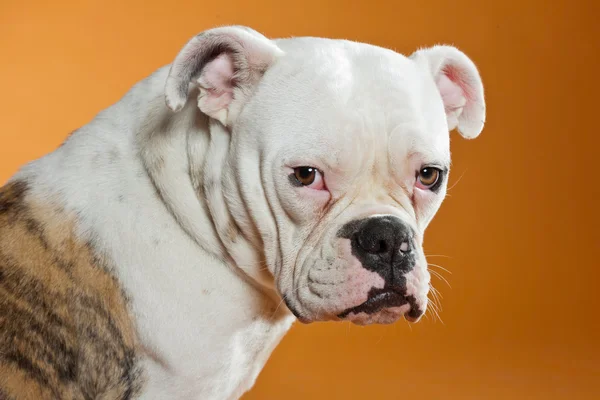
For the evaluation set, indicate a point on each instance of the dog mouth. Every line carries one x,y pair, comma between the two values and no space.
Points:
380,299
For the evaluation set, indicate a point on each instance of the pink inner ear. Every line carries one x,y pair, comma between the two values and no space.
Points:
217,80
454,88
217,73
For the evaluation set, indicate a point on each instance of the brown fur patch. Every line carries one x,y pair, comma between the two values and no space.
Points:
232,231
65,330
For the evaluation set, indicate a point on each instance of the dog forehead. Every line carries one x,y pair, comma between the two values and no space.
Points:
326,89
346,70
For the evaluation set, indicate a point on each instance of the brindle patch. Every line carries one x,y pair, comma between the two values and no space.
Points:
65,330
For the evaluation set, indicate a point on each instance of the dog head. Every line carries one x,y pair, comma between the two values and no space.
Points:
337,158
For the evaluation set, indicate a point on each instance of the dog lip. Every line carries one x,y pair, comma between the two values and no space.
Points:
415,313
411,318
378,300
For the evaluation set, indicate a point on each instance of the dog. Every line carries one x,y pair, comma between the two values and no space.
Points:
166,247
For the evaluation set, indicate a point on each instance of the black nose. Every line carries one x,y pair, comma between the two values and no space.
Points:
384,237
383,244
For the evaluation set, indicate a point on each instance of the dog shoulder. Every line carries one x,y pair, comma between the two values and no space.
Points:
65,327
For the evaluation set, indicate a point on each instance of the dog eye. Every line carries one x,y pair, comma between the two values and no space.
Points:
428,177
307,176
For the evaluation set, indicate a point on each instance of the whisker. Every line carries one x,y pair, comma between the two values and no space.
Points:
435,291
439,276
276,309
436,296
282,300
429,312
437,255
434,304
440,318
440,267
437,314
456,183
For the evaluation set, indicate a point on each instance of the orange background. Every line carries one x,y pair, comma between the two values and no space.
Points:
519,229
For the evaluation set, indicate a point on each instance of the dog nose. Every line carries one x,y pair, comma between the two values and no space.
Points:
384,237
383,244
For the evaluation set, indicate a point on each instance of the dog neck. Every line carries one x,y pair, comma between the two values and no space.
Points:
185,156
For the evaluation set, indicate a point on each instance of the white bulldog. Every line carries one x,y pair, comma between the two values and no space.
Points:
254,182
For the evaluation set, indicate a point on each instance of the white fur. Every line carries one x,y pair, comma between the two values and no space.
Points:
160,191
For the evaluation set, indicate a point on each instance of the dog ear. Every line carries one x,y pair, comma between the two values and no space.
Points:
225,64
460,86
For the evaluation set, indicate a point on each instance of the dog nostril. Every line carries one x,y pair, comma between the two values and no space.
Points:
372,244
404,247
383,248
